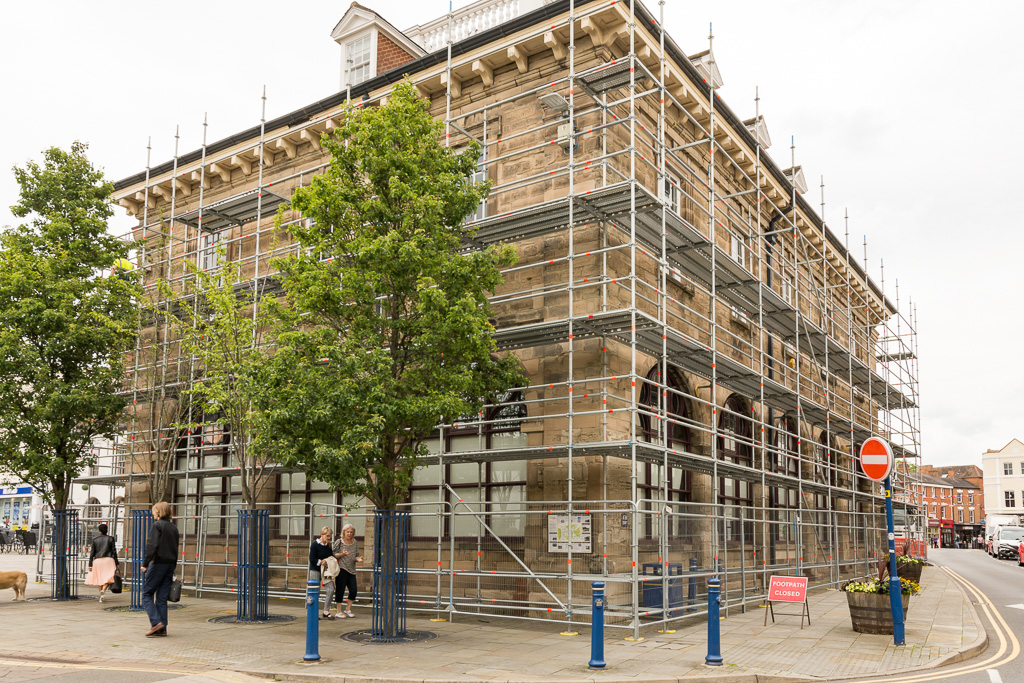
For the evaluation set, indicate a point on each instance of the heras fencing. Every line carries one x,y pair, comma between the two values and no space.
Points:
535,560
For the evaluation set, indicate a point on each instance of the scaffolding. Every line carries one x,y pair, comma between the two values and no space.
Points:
704,354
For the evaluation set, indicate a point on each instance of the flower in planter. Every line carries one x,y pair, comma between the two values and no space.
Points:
903,559
907,587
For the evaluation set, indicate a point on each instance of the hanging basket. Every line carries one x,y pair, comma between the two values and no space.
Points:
872,613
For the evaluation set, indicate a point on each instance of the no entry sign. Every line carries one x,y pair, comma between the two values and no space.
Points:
876,458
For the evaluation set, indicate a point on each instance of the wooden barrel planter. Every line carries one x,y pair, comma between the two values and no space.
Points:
911,572
871,613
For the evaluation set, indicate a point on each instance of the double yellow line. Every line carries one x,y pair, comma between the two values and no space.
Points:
1008,650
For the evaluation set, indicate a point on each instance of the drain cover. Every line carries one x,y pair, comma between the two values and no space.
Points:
366,636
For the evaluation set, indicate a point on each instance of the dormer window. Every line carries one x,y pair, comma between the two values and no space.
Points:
357,60
370,46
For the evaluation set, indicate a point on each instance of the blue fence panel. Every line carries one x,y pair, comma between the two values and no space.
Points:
66,540
390,573
253,564
142,522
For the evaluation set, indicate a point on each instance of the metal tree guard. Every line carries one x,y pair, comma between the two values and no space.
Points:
253,564
66,538
142,521
390,573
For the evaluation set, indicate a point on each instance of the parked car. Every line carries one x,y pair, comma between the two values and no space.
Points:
1007,541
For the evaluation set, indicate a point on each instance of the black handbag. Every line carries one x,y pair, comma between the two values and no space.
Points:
174,595
117,585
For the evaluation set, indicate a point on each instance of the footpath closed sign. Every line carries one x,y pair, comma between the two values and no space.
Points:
876,458
788,589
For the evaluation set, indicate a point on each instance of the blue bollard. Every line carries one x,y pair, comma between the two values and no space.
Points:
597,627
714,657
691,592
312,621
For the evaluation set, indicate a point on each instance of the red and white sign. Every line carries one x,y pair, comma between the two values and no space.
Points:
788,588
876,458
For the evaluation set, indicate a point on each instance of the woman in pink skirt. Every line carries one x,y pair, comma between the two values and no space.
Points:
102,561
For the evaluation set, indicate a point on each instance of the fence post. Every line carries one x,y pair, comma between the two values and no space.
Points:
253,564
597,626
691,590
312,621
142,520
714,657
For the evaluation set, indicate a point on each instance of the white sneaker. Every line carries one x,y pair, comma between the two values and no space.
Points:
101,597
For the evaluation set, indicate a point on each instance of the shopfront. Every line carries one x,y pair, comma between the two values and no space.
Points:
946,532
19,506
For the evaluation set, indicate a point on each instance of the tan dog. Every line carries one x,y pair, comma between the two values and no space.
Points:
15,580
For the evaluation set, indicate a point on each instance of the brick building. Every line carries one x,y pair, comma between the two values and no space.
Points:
703,353
955,505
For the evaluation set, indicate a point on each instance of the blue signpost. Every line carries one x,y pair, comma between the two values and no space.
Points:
895,590
876,462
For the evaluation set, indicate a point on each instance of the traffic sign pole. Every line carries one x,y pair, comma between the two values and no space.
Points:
895,590
876,461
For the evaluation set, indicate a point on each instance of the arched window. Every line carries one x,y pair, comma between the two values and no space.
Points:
662,416
93,511
734,445
494,486
652,428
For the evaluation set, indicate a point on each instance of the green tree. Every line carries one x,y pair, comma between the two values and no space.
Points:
64,327
222,326
388,329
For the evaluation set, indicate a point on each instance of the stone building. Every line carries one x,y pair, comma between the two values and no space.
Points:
1003,472
704,355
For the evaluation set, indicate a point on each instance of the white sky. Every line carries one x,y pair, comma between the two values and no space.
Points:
908,109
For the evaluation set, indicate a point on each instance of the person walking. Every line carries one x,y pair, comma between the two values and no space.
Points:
319,552
159,564
346,549
103,562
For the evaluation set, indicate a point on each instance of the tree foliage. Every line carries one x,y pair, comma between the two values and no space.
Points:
221,324
389,330
64,327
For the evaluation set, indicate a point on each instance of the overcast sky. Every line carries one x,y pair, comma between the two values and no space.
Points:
910,110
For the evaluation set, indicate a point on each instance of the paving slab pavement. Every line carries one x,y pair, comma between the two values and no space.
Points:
942,627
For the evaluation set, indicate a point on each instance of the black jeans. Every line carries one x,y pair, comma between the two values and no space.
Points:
346,580
157,584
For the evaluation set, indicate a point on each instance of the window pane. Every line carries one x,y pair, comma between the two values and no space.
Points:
425,516
212,461
234,505
236,484
465,473
298,481
512,470
465,523
503,440
319,485
212,484
505,499
323,504
469,442
428,475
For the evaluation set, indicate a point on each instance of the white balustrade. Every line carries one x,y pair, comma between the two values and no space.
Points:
469,21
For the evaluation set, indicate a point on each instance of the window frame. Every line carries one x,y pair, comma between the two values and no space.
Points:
734,419
493,424
368,64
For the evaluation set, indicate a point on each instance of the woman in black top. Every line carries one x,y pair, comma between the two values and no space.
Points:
102,561
159,564
319,551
